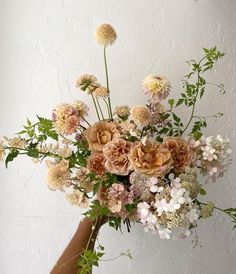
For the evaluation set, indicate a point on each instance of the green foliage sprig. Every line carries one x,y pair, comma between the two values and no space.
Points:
194,85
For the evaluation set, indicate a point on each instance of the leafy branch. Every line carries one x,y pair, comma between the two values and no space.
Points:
195,91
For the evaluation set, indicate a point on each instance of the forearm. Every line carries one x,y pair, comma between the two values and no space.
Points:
84,237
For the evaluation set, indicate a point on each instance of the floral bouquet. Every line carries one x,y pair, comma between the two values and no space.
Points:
135,164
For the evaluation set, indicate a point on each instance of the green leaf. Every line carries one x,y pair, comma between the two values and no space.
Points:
11,156
96,188
32,152
197,135
176,118
171,102
46,127
202,191
179,102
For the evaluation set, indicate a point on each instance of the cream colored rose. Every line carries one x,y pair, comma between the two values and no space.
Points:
100,134
151,159
181,152
116,156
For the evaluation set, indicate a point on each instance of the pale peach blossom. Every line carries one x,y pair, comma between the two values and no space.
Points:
87,83
58,175
100,92
140,115
66,119
81,107
122,111
84,181
112,197
71,124
78,198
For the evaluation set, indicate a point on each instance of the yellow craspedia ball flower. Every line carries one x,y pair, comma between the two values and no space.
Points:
105,34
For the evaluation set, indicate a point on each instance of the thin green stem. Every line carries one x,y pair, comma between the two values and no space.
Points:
99,106
195,98
86,121
108,109
107,80
40,152
91,235
96,108
115,258
80,253
220,86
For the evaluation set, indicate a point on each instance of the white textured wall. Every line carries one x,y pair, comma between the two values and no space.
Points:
44,46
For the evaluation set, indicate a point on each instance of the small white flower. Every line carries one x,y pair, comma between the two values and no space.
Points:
219,138
153,180
171,176
213,171
173,205
176,183
154,189
161,206
192,215
143,211
152,184
152,219
187,197
164,233
177,195
209,139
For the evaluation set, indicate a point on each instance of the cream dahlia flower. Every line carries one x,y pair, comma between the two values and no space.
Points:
157,87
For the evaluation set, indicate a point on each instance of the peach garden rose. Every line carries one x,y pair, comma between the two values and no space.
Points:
151,158
116,156
100,134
